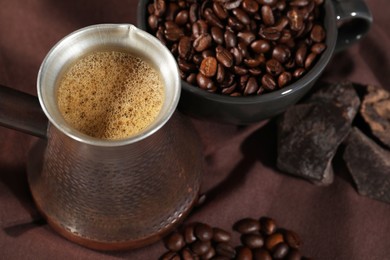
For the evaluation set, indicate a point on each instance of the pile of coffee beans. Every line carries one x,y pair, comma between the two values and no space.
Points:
240,47
260,239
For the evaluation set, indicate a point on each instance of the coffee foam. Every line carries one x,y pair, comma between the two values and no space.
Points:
110,95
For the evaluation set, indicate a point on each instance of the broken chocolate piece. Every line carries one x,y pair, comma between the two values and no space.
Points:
375,110
369,165
341,95
310,133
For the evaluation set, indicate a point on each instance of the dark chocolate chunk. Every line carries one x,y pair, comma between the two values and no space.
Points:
342,95
375,110
369,165
310,133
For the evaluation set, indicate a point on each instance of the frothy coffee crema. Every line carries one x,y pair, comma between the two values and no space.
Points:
110,95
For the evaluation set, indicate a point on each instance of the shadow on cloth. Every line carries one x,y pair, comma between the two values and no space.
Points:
253,150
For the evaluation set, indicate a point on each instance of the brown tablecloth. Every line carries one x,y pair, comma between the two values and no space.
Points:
335,222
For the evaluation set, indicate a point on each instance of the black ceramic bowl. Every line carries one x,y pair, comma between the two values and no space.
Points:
251,109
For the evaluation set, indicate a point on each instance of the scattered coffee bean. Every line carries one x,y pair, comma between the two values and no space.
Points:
273,240
268,225
260,239
252,240
247,225
235,33
175,242
292,239
280,251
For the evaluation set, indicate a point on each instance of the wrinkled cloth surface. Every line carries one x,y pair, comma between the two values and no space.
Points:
240,177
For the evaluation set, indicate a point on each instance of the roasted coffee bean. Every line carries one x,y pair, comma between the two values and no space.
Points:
153,22
217,35
268,225
273,239
281,53
150,8
212,18
191,78
208,67
200,247
182,17
208,53
250,6
299,3
300,55
159,7
185,47
224,56
244,49
296,20
274,67
220,235
173,33
247,37
247,225
235,24
170,256
209,254
193,13
268,82
244,253
317,33
255,71
292,239
252,63
269,33
175,242
204,82
201,27
267,2
240,70
186,66
225,249
280,251
241,15
189,234
237,54
284,79
203,42
260,46
229,90
252,240
318,48
267,15
231,4
261,254
220,73
219,11
171,12
186,254
286,37
310,60
298,72
203,231
281,24
251,86
230,39
197,58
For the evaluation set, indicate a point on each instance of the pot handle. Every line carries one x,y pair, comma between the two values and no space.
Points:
22,112
354,20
